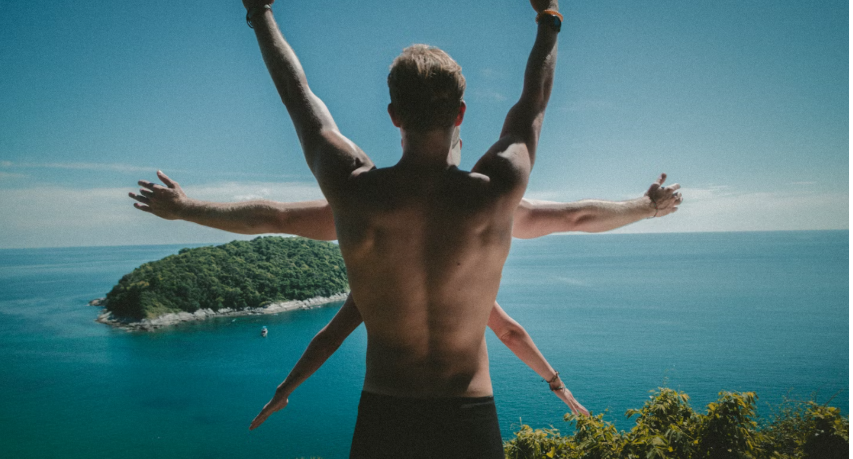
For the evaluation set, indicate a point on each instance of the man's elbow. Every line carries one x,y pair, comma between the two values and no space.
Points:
512,336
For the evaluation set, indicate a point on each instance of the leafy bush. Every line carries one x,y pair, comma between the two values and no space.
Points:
667,427
237,275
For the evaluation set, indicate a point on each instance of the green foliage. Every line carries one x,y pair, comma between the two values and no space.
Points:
237,275
667,427
806,430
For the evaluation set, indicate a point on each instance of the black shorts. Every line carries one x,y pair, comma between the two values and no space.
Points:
445,428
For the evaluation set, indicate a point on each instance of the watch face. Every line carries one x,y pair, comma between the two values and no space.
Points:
555,23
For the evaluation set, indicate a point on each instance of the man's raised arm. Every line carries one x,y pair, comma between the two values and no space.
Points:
511,158
331,156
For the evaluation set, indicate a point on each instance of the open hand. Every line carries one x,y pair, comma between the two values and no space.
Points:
278,402
666,199
163,201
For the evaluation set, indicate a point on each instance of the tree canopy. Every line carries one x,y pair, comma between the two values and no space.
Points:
236,275
667,427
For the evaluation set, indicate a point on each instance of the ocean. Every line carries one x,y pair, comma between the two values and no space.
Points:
617,315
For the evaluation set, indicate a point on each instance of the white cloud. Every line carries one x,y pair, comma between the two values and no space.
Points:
488,95
11,175
81,166
245,191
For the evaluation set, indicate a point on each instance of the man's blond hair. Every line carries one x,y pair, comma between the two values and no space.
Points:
426,87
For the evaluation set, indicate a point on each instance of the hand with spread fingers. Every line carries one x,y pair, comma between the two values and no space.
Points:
664,199
163,201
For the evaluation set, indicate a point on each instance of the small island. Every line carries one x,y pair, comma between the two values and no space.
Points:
266,275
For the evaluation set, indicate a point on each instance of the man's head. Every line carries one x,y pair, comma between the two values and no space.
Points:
426,87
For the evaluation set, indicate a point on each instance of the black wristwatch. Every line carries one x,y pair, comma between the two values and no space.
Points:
548,18
252,12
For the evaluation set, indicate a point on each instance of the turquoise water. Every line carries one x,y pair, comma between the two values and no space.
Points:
617,315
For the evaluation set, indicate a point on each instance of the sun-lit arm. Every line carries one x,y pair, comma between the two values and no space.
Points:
330,156
322,346
539,218
310,219
516,338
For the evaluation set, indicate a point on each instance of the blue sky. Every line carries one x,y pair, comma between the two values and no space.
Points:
745,103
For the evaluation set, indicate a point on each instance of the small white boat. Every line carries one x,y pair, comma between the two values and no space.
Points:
264,332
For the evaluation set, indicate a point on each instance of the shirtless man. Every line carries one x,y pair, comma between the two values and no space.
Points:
424,242
314,220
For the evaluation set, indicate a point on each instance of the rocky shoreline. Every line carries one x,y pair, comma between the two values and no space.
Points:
169,320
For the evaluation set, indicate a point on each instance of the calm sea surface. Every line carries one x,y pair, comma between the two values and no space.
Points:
617,315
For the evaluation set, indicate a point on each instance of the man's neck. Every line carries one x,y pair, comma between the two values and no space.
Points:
429,149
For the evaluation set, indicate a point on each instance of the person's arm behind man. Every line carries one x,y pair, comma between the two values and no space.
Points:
311,219
329,339
516,338
321,347
539,218
314,219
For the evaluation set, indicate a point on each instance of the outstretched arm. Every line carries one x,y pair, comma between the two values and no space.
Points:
534,219
324,344
331,156
311,219
515,337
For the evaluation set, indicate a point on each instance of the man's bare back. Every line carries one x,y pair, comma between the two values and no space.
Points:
434,242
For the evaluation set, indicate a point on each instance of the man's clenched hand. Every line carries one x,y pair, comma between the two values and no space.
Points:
540,5
665,199
249,4
163,201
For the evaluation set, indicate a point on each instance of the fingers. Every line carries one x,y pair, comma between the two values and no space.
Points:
141,207
667,211
653,189
150,185
661,179
141,199
165,178
674,187
578,408
259,419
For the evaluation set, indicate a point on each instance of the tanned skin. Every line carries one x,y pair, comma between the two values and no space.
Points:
314,220
424,242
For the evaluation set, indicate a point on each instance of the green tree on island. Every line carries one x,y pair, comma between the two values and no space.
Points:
237,275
